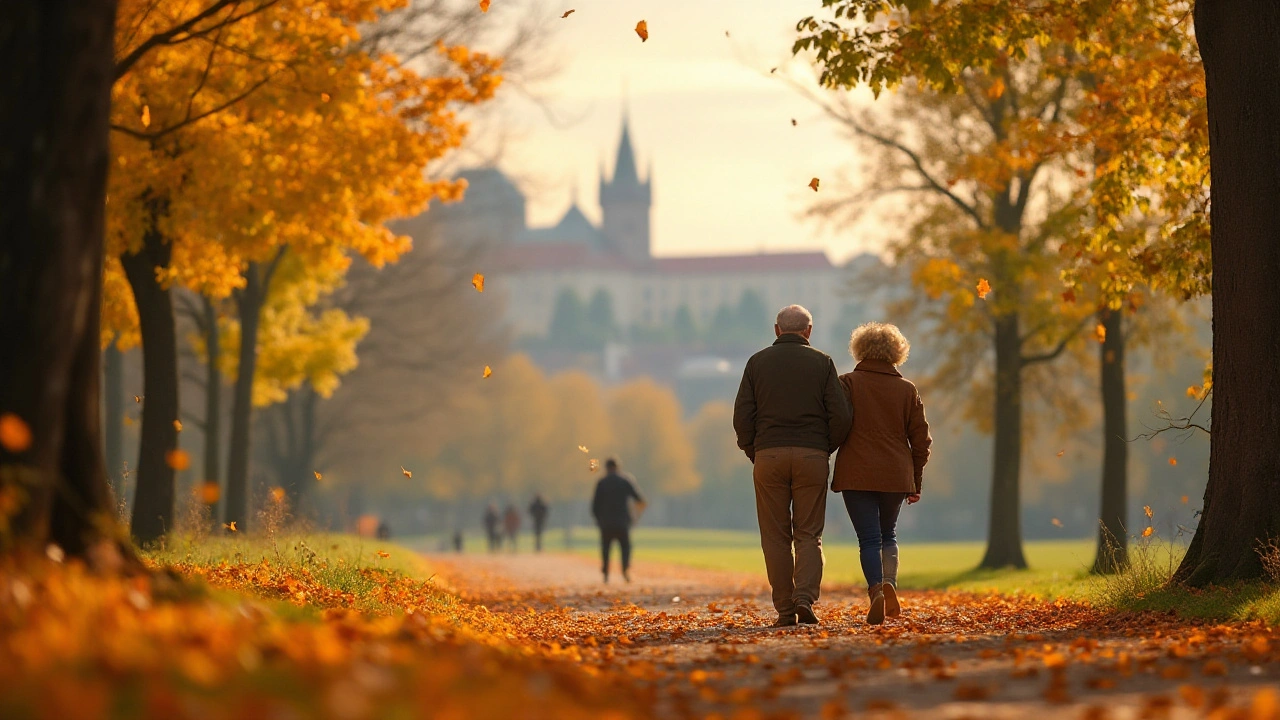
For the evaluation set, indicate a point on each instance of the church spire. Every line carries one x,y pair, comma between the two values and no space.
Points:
625,171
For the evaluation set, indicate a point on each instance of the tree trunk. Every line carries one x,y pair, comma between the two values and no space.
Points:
212,394
154,493
56,89
1237,41
113,417
1004,533
249,308
1113,540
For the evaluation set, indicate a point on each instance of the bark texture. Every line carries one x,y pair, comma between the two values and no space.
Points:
55,95
1113,538
1238,43
153,499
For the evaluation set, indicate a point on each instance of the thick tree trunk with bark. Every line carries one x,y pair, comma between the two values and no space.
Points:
1238,42
1004,533
1113,539
212,394
153,500
249,301
54,103
113,416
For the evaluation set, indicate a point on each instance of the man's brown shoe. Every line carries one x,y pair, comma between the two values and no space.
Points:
784,621
892,608
875,613
804,614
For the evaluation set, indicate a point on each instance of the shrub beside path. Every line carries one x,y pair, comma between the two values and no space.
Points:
692,640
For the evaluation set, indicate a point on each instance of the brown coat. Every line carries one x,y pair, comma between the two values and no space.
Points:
888,446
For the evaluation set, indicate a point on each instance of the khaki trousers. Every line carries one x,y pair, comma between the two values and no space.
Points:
791,505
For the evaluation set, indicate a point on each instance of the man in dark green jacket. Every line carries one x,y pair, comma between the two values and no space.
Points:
790,415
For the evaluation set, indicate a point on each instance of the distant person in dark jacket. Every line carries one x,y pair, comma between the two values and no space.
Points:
538,511
491,520
611,508
790,415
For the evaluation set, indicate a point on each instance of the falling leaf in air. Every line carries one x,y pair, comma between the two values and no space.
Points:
230,526
407,473
593,464
642,29
318,475
484,6
813,184
209,492
583,448
793,122
773,70
1056,522
383,554
325,97
477,282
566,14
177,459
1100,333
1147,509
137,398
1148,531
487,371
277,494
146,116
177,425
726,33
15,434
984,288
1185,499
1173,462
1061,453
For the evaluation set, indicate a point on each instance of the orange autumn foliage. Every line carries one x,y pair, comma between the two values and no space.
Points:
283,130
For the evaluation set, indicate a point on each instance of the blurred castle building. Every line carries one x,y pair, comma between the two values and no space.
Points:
611,270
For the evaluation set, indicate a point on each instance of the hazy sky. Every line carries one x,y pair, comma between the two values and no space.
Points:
730,170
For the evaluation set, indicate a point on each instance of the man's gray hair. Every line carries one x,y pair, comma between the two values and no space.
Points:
794,319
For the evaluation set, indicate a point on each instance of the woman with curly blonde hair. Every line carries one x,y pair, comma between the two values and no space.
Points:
881,462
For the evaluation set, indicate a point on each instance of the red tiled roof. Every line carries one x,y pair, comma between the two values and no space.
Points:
760,262
550,257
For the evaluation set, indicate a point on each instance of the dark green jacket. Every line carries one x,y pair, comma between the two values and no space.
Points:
791,396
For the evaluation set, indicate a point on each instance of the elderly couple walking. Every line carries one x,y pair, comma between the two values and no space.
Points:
793,410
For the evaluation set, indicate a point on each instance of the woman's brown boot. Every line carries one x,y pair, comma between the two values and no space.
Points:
875,613
892,608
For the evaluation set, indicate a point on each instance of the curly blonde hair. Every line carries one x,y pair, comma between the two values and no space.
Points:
879,341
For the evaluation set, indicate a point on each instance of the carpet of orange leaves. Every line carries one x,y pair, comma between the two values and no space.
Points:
178,643
74,645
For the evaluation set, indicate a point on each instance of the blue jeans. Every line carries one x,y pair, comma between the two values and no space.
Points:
875,519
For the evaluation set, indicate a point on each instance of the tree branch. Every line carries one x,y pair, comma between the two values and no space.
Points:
191,120
187,29
1027,360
